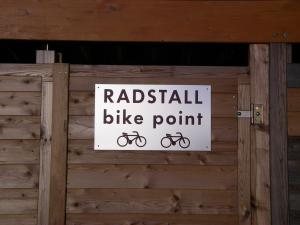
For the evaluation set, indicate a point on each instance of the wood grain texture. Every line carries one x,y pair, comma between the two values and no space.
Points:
82,152
26,71
260,150
244,151
150,219
20,103
58,169
19,151
152,176
293,99
45,152
278,134
82,103
18,201
151,201
19,83
223,129
19,127
18,176
294,123
222,21
18,219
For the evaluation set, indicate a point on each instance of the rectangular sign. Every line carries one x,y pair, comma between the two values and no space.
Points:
153,117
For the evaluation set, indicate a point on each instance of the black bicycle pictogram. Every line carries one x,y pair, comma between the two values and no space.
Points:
169,140
126,139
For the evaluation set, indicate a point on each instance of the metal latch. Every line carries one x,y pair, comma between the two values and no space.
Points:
256,114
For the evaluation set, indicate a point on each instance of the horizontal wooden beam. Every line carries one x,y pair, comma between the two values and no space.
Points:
152,20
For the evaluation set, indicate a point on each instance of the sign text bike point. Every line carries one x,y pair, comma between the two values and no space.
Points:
153,117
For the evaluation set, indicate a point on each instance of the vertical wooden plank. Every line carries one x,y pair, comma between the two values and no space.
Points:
59,145
45,143
244,156
278,134
260,160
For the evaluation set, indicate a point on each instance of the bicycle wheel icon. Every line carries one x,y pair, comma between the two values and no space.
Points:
184,142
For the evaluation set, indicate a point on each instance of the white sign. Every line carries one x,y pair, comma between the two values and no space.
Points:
153,117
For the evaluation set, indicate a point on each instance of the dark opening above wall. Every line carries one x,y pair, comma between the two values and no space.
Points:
133,53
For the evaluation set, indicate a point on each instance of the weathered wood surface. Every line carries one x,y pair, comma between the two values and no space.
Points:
222,21
244,151
82,103
18,219
19,176
294,123
18,201
152,176
20,103
150,219
278,134
82,152
151,201
19,151
19,83
293,78
19,127
260,150
26,71
223,129
59,140
293,99
45,152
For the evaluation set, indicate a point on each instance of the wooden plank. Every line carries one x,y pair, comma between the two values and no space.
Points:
294,217
125,71
223,129
266,21
19,83
18,201
294,148
294,123
150,219
293,78
295,201
58,171
82,152
45,152
278,134
151,201
45,56
260,168
82,103
293,99
228,85
244,168
19,151
20,103
19,176
18,219
152,176
19,127
26,71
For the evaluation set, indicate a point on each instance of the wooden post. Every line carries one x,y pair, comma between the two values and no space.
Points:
278,134
45,143
244,198
260,150
58,177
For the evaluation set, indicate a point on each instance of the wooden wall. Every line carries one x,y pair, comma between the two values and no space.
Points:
294,154
20,99
152,187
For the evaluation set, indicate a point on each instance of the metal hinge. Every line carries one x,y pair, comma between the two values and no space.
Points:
255,114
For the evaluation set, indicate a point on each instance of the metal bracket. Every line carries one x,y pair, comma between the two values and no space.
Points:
256,114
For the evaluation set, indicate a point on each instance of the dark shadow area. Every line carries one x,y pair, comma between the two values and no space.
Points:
296,53
129,53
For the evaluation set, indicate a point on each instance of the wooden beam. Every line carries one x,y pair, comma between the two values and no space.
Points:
58,170
260,166
173,21
244,195
278,134
45,57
